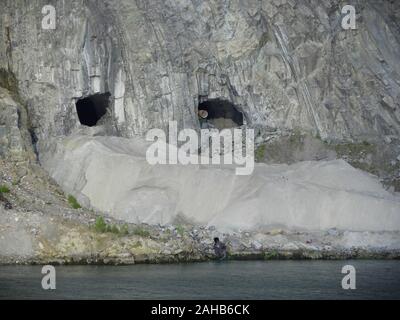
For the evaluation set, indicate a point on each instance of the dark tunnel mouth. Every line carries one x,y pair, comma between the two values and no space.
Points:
90,109
222,114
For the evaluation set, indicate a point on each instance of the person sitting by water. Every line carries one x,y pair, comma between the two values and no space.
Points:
219,249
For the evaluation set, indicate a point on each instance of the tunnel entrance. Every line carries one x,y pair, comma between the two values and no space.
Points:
92,108
221,114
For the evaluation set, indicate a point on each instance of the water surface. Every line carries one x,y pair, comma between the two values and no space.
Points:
375,279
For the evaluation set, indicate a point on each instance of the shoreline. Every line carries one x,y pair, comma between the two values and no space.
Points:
42,227
187,258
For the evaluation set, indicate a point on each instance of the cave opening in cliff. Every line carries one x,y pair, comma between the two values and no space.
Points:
92,108
221,114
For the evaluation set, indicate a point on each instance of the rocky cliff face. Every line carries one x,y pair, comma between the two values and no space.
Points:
312,91
285,64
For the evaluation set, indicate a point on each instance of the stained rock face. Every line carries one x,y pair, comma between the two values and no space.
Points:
283,63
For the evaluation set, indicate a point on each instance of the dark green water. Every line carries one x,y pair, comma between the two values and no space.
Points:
213,280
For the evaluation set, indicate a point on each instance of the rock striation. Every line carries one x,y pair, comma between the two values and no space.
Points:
285,64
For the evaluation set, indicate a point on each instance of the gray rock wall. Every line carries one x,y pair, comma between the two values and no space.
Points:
286,64
15,138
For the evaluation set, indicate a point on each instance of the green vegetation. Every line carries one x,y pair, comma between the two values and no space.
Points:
355,154
362,155
124,230
73,202
281,150
180,230
139,231
271,255
112,229
354,150
4,189
101,226
259,154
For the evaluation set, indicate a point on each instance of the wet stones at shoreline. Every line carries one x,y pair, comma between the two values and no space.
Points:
78,243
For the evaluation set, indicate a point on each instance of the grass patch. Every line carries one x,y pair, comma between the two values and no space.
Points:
259,154
101,226
180,230
354,150
124,230
73,202
355,153
4,189
139,231
112,228
271,255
